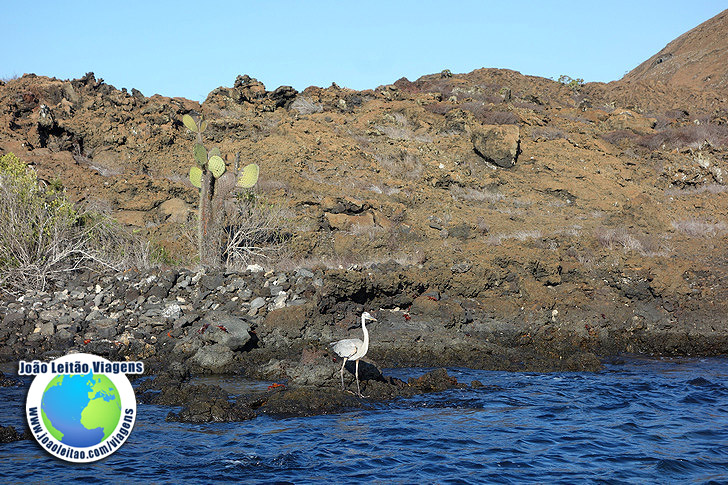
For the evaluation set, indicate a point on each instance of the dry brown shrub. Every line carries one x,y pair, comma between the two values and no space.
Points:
440,108
487,115
700,228
696,190
254,232
688,136
617,136
546,133
306,106
43,236
404,165
467,193
620,238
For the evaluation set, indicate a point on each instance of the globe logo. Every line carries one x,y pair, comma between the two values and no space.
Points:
80,407
81,410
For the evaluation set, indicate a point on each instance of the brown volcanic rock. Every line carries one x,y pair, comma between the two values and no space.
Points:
697,59
499,145
593,203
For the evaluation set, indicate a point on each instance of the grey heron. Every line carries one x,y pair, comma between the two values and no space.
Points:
354,349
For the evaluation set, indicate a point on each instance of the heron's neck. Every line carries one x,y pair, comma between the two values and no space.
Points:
366,334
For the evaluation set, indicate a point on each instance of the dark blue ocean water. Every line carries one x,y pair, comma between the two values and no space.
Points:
638,421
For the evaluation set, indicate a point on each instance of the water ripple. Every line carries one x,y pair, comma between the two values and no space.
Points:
656,421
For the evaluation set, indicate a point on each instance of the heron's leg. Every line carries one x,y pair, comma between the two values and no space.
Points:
342,373
357,378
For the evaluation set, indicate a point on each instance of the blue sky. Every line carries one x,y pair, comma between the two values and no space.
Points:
183,48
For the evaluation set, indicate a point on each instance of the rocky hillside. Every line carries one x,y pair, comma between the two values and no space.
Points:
600,203
697,59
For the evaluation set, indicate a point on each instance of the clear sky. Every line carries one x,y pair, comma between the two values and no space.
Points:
186,48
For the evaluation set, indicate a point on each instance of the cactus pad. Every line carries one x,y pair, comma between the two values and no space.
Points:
203,126
216,165
189,122
200,154
196,176
215,151
249,176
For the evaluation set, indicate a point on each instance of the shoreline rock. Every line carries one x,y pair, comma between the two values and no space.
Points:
231,323
184,324
8,434
206,403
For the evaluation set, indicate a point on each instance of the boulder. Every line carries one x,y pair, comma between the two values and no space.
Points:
175,210
107,161
13,319
498,144
45,328
344,222
248,89
214,358
105,327
255,305
214,344
131,218
226,330
283,96
624,119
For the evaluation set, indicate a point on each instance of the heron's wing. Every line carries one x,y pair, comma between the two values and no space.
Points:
347,347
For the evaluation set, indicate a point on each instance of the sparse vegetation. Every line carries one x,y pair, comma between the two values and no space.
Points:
546,133
620,238
400,128
575,84
6,79
489,116
404,164
522,236
700,228
468,193
439,108
43,235
689,136
617,136
693,191
252,233
305,106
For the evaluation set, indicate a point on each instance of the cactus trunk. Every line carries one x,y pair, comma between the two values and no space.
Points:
210,224
203,219
215,184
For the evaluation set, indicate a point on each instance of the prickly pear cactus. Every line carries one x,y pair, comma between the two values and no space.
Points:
200,154
190,123
216,165
196,176
248,176
215,182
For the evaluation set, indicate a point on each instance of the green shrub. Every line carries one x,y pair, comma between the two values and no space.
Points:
574,84
43,235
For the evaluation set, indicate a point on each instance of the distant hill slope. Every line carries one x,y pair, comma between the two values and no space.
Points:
698,58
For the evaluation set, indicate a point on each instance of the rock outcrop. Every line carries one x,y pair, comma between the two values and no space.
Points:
499,145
